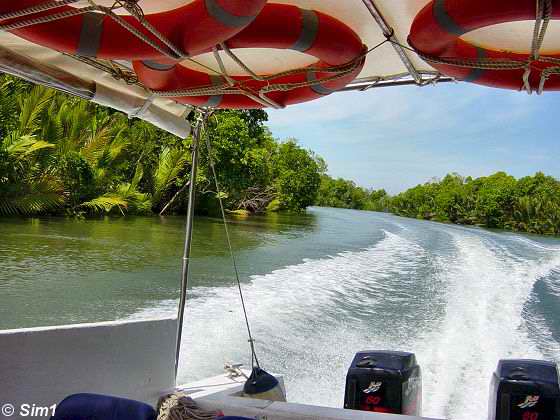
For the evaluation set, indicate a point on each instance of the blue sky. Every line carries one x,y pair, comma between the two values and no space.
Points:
395,138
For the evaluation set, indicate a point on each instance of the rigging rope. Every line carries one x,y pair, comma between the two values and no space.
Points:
543,17
543,14
135,10
114,69
254,359
36,9
232,87
44,19
241,87
165,47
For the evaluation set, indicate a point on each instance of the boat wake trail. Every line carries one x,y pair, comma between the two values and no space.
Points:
461,300
310,318
486,289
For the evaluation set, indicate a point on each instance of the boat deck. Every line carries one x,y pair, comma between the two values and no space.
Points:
223,392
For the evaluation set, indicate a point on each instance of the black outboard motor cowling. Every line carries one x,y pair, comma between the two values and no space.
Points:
524,390
384,382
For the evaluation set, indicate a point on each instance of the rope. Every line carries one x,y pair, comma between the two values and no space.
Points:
225,89
543,15
340,72
254,359
201,91
179,406
284,87
241,87
133,8
36,9
220,62
475,63
332,69
233,371
138,34
116,71
240,63
545,75
552,60
45,19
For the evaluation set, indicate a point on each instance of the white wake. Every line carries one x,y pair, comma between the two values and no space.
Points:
309,319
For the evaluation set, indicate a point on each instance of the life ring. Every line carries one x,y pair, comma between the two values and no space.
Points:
437,29
281,27
194,27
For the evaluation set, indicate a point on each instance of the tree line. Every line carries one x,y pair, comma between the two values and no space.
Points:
529,204
61,155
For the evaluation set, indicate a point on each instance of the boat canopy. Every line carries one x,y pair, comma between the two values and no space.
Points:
383,26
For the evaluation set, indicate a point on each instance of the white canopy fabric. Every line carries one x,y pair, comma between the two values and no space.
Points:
383,62
372,20
45,66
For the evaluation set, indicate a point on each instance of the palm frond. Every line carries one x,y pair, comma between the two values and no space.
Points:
75,120
138,175
26,145
95,145
8,103
118,144
32,106
135,199
105,203
33,197
171,163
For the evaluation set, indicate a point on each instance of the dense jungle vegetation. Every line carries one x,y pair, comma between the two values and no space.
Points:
61,155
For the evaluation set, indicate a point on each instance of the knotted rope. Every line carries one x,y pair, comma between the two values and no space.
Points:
179,406
118,72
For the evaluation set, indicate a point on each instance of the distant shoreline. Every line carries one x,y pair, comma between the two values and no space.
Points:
528,205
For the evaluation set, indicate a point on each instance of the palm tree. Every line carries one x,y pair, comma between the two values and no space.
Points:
59,152
25,188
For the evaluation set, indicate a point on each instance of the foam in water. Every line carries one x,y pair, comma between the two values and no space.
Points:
486,290
309,319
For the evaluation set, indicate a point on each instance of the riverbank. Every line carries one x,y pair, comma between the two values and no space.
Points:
530,204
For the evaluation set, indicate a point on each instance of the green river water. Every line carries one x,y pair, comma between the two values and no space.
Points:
319,287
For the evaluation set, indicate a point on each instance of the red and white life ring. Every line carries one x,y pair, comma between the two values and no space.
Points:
437,30
281,27
194,27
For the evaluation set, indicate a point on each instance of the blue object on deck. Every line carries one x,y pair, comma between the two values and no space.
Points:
102,407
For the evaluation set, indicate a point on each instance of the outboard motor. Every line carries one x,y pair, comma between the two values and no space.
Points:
524,390
384,382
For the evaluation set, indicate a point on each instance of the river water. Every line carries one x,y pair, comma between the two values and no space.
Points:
319,287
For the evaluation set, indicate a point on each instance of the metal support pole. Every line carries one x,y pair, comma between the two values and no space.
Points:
201,122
